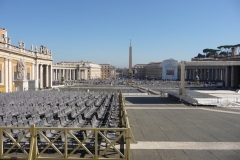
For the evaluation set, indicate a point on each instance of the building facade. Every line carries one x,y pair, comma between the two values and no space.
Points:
153,70
37,64
76,71
108,71
170,69
226,71
139,71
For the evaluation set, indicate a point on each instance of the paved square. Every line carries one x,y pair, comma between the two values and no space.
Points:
165,129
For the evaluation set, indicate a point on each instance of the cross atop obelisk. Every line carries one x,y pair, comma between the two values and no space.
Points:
130,64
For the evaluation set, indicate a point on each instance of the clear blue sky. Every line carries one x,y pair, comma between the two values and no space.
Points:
100,30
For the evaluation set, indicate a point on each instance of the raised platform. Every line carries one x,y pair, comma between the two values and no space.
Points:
220,98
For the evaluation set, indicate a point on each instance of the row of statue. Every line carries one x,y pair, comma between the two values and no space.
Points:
7,40
21,44
21,75
43,49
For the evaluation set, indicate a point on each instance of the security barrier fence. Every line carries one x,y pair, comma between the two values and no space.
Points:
50,143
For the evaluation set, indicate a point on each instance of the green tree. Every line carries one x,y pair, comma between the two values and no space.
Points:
211,52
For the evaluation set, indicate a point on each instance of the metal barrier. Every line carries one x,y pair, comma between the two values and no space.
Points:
68,143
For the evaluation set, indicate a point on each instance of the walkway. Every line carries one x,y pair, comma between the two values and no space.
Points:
168,130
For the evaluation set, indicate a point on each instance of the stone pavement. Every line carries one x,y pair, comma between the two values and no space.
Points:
169,130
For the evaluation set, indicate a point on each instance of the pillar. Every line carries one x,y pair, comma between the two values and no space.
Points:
64,74
36,73
221,74
232,76
10,81
74,72
47,76
190,74
60,75
50,78
53,74
185,74
208,74
6,74
32,72
226,76
182,89
86,74
41,75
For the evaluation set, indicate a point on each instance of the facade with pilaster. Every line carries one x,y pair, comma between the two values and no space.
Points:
76,71
38,65
225,71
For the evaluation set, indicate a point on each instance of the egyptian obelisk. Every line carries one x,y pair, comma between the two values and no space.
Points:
130,64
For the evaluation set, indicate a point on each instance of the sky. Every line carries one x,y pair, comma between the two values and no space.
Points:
99,31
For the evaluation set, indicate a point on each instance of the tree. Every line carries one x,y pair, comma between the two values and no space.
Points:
211,52
200,56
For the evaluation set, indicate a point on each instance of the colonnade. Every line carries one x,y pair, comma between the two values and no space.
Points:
40,73
70,74
225,74
43,75
205,73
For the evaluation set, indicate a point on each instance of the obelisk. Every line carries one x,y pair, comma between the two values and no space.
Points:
130,64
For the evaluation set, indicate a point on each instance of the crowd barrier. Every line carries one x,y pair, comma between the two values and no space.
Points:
34,143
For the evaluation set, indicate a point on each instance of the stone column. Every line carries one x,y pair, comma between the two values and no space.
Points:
70,76
6,74
212,74
226,77
65,73
62,73
223,76
59,74
208,74
41,75
36,73
86,73
32,72
190,74
185,74
216,74
53,74
56,74
50,78
182,87
232,76
47,76
220,74
10,81
204,74
74,74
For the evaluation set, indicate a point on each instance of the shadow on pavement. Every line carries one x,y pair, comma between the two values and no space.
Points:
150,100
